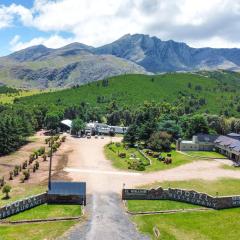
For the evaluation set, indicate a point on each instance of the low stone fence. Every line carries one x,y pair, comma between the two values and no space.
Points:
182,195
22,205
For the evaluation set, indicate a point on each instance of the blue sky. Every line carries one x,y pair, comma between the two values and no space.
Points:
55,23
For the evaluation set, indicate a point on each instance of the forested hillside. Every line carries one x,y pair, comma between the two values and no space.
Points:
210,92
205,102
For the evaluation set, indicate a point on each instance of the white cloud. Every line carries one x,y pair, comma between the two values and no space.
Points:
97,22
53,41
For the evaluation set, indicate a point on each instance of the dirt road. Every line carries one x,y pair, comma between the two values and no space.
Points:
107,219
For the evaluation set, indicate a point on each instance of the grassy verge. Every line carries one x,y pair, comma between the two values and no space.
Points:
112,151
35,231
219,225
223,186
22,191
205,154
157,205
48,211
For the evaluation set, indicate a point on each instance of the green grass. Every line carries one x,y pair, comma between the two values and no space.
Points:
210,225
157,205
48,211
34,231
22,191
128,90
223,186
111,152
10,97
205,154
118,162
178,159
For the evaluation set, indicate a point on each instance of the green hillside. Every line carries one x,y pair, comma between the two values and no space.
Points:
211,94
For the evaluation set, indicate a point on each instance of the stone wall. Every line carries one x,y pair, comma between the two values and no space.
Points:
22,205
181,195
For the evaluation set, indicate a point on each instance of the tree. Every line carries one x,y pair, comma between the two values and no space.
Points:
131,135
171,127
52,121
6,190
196,124
78,125
160,141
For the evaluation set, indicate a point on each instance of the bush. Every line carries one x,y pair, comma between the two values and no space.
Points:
41,151
2,182
15,171
160,141
6,190
122,155
11,175
44,156
26,174
24,166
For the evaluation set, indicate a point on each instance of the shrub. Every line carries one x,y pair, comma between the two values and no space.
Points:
63,139
41,151
6,190
15,171
37,165
11,175
26,174
31,158
118,144
24,166
44,156
2,182
122,155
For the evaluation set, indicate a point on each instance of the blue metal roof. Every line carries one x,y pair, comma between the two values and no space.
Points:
67,188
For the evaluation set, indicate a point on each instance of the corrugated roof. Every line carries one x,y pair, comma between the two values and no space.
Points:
229,142
67,188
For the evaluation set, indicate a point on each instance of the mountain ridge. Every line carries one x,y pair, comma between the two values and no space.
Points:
78,63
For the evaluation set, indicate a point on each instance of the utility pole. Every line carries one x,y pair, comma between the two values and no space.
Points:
50,166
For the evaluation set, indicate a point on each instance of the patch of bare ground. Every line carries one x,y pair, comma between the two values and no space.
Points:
39,179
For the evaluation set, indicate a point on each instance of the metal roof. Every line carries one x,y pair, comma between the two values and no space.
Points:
67,188
67,122
229,142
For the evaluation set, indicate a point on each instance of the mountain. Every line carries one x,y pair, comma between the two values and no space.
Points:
74,64
157,56
77,63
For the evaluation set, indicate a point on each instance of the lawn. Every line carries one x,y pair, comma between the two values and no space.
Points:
157,205
219,225
223,186
22,191
47,211
112,151
205,154
35,231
